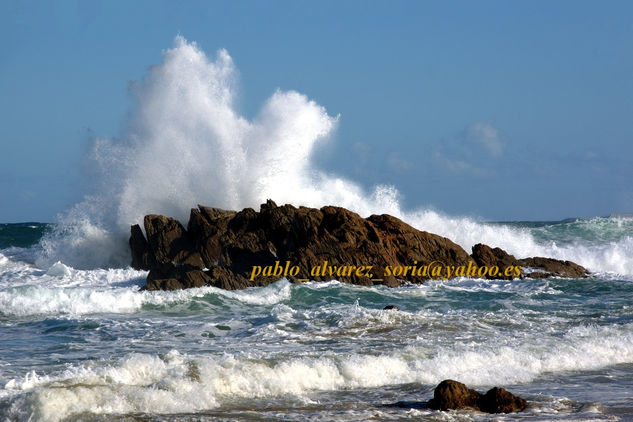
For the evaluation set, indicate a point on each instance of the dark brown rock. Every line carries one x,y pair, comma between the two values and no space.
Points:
221,248
451,395
169,242
391,308
224,278
499,400
172,277
142,256
485,256
554,267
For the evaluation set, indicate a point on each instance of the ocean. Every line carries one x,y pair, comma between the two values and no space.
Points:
88,345
79,340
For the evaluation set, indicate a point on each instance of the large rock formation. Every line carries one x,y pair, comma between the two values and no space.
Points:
449,395
235,250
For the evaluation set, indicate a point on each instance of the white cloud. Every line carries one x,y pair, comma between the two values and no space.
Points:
486,136
457,165
470,152
398,164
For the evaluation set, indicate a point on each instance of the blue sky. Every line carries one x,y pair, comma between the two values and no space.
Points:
494,109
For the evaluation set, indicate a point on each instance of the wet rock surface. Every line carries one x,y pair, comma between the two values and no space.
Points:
220,248
451,395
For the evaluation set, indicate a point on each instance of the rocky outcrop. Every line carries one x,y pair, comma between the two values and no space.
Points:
548,267
485,256
500,400
235,250
450,395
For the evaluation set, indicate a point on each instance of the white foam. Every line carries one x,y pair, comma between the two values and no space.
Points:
85,299
612,257
18,273
176,383
525,287
59,270
33,300
269,295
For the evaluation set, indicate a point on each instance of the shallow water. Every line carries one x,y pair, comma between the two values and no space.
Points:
89,345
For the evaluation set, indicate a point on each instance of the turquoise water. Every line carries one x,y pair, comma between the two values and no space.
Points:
22,235
88,345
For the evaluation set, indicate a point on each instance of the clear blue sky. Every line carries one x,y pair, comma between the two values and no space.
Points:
497,109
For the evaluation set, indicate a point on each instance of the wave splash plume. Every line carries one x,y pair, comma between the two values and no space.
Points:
185,143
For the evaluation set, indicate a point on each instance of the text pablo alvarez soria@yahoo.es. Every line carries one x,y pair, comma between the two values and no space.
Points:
434,270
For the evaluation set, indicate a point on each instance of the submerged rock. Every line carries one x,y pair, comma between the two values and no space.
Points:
235,250
391,308
450,395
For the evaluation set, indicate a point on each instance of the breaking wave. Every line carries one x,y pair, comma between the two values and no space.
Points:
185,143
175,383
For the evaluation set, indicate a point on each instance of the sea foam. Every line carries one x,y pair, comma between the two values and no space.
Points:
178,383
115,291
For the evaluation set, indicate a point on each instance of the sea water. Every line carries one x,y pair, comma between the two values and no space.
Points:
90,345
79,340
